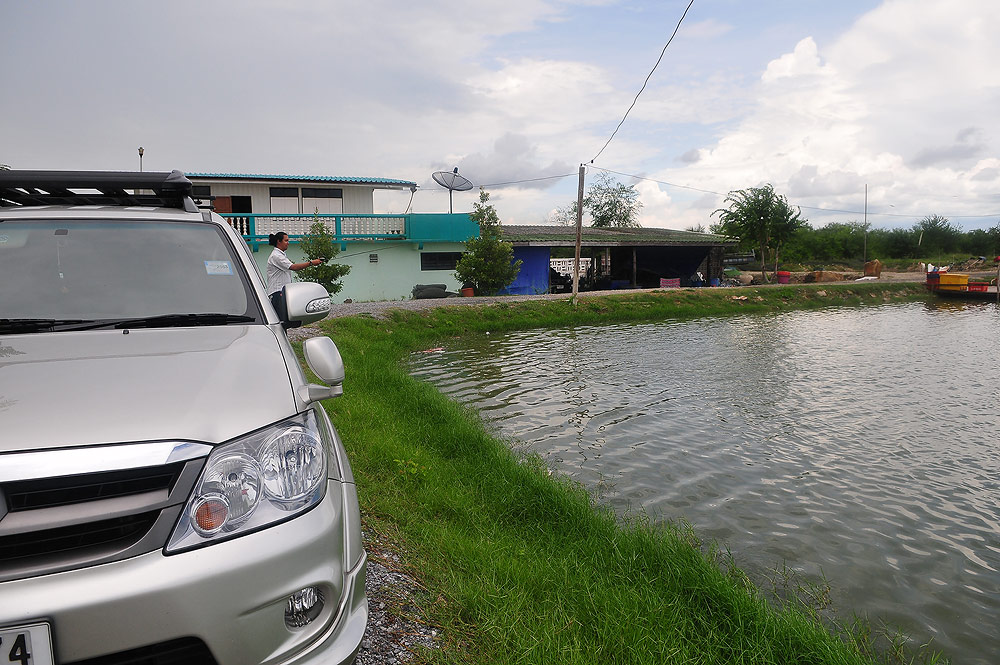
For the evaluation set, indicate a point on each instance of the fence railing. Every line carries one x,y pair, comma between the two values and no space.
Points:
739,258
256,228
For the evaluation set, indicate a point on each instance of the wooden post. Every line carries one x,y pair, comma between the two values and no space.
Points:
633,268
579,228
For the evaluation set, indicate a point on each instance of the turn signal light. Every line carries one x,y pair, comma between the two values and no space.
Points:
211,515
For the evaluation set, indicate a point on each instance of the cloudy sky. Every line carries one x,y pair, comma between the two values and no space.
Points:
818,98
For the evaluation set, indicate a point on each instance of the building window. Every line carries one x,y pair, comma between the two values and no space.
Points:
284,200
316,193
242,204
328,201
373,258
439,260
201,190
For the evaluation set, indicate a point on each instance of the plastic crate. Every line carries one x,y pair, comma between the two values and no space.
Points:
953,278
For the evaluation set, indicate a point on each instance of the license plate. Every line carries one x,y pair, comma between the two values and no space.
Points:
26,645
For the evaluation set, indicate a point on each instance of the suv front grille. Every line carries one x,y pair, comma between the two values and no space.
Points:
68,540
73,520
185,651
90,487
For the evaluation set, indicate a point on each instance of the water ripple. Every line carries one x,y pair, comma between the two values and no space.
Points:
855,444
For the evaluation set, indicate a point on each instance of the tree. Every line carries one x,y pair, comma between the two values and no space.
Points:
899,243
982,242
936,235
319,243
565,215
761,219
487,264
611,203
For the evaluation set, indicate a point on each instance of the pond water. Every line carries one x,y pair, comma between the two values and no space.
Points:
855,444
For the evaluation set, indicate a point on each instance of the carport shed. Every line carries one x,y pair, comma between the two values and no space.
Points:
626,257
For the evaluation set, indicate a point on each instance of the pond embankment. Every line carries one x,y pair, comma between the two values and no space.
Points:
515,564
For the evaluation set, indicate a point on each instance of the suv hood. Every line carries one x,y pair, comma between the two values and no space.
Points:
207,384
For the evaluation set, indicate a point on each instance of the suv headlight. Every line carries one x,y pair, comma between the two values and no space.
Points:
254,482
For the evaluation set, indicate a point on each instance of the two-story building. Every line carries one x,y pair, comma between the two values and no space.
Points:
388,254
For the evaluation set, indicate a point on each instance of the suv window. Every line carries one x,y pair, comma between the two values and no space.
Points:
105,269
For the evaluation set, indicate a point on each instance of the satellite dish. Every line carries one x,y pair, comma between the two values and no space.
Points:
453,182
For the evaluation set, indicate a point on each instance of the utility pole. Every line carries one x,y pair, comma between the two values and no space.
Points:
579,230
865,259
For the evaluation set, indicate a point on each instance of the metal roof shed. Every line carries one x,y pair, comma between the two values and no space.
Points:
637,257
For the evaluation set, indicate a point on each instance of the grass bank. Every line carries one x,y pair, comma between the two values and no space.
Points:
521,566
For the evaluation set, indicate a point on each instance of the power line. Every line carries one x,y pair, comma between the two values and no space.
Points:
374,250
518,182
662,182
710,191
678,27
502,184
846,212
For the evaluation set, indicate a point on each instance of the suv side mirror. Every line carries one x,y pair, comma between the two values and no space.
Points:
305,302
323,358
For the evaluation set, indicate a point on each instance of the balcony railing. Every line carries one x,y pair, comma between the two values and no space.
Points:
255,228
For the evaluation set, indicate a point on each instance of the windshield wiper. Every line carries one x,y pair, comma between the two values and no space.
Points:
10,326
181,320
35,325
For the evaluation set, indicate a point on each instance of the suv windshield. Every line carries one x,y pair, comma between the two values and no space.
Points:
95,270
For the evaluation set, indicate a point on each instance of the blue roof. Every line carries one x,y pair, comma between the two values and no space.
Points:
305,178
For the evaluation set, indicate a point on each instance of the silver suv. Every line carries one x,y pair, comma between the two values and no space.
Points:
171,491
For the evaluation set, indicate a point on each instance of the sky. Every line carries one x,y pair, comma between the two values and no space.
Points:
823,100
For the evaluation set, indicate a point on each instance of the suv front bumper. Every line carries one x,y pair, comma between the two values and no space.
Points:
231,595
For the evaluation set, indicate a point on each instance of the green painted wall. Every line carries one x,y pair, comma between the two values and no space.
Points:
391,278
397,269
445,227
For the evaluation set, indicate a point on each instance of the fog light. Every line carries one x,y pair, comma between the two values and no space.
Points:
303,607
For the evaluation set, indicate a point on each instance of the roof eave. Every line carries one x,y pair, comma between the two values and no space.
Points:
277,179
617,243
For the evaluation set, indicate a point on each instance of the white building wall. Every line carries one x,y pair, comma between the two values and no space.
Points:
357,199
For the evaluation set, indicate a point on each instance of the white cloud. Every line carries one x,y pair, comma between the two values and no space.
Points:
904,101
802,62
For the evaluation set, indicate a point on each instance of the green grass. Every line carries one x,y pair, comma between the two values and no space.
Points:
521,566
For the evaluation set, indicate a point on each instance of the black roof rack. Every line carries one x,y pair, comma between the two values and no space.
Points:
38,188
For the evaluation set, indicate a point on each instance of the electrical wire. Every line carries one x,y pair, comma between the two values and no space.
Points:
678,27
518,182
662,182
374,250
846,212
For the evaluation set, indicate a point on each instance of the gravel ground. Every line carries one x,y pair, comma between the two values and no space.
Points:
395,631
